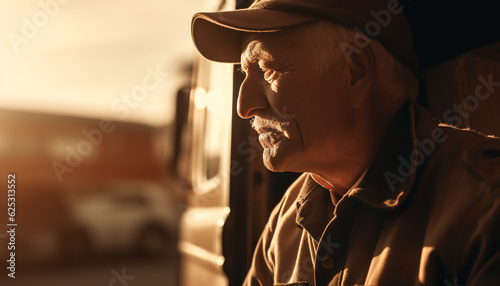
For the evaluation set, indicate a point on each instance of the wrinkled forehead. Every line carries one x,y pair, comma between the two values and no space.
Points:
270,46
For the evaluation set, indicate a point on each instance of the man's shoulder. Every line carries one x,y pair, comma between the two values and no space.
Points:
463,178
456,151
479,154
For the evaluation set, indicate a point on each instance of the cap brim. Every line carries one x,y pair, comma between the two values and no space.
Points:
218,35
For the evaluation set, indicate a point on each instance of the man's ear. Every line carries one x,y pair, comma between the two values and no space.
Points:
360,78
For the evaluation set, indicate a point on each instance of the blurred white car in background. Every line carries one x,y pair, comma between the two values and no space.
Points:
129,218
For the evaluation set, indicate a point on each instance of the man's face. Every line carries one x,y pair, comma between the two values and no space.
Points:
301,116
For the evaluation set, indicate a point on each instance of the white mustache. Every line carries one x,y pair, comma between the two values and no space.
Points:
260,124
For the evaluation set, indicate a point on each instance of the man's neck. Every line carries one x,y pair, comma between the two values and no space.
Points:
371,130
327,185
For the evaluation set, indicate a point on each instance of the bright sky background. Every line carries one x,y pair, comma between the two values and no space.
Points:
78,57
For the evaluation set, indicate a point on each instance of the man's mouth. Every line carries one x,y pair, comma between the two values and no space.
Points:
268,138
271,131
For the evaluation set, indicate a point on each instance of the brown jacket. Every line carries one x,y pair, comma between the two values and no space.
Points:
427,212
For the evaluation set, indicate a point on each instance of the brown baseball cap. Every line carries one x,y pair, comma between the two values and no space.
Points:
218,35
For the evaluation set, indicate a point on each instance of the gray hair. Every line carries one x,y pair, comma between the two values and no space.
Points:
326,40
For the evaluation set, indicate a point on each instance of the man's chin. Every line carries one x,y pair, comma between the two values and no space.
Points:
276,161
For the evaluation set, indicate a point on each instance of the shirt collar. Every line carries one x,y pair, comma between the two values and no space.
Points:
314,208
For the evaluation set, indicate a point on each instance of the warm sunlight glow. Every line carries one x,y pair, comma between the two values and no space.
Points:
98,59
200,98
215,101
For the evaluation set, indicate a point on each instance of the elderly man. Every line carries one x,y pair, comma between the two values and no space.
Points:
388,196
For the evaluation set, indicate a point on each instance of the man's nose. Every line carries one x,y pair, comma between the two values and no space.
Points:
252,97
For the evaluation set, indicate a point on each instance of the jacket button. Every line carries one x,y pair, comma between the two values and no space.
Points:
327,263
491,153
